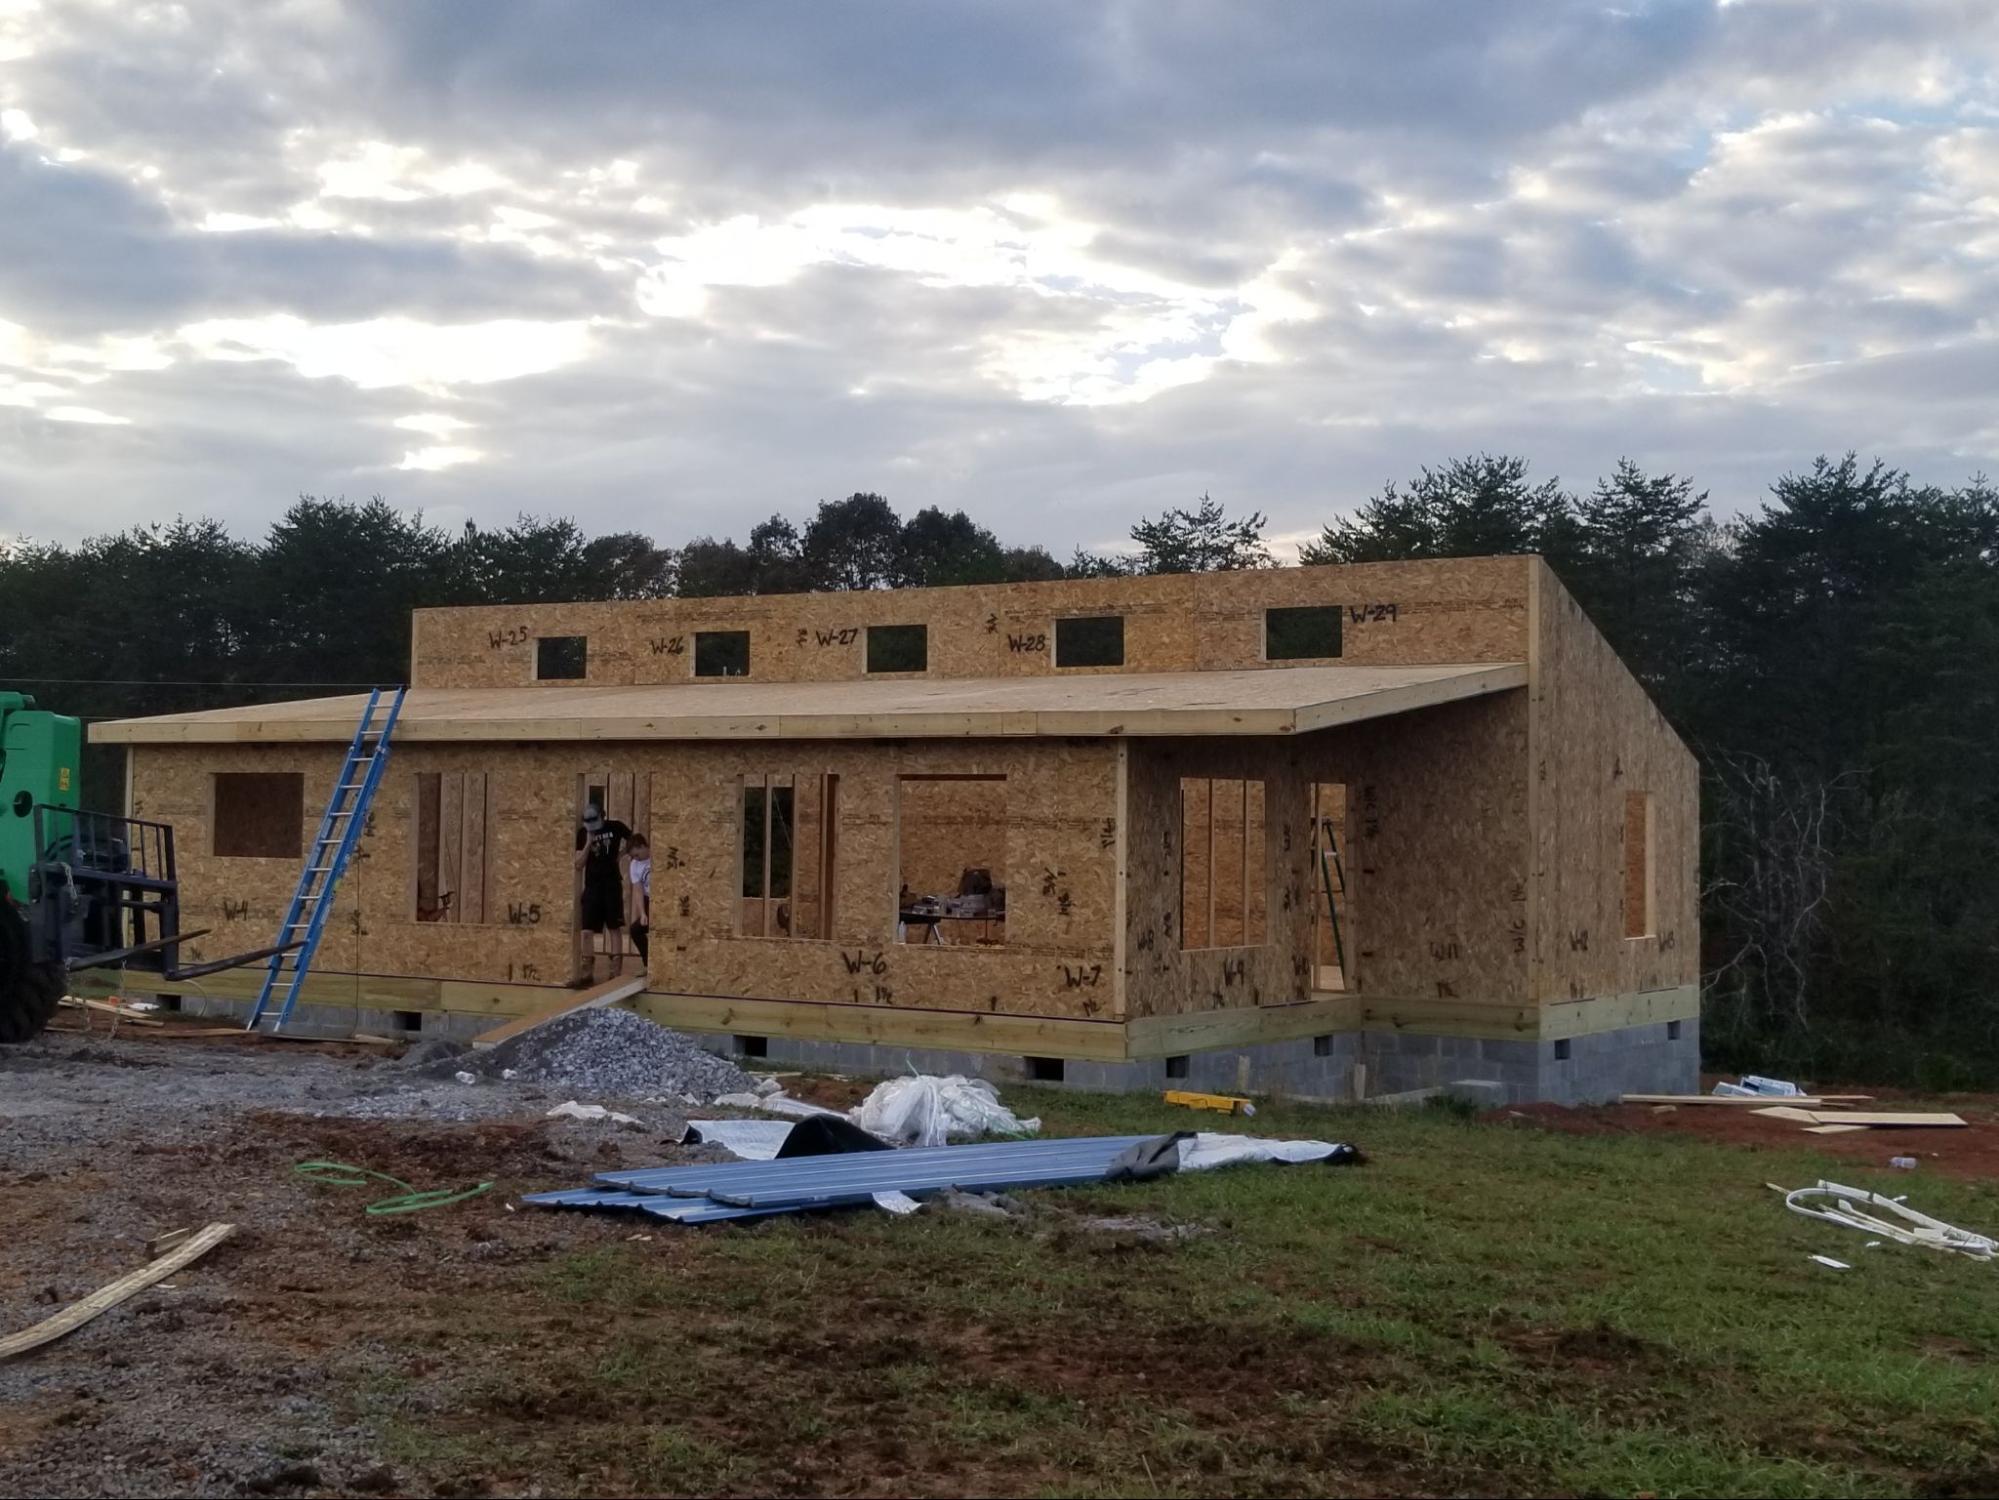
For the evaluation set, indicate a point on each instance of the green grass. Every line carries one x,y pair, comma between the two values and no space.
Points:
1483,1308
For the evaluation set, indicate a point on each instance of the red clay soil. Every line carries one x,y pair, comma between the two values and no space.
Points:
1971,1153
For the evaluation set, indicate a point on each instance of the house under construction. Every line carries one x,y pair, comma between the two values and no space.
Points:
1315,831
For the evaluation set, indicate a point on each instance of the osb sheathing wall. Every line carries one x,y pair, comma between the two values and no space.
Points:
1060,841
1597,737
1458,610
1161,977
1435,856
1059,868
372,927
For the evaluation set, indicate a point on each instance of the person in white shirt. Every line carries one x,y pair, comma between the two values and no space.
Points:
639,897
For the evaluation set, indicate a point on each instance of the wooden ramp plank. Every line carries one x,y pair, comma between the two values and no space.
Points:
105,1298
608,993
1891,1120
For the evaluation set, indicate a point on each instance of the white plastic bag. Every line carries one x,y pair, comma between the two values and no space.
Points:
1210,1149
928,1111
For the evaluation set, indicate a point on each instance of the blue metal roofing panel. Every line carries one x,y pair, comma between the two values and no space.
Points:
659,1179
714,1191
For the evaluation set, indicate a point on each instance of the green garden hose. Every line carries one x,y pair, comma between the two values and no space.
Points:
408,1201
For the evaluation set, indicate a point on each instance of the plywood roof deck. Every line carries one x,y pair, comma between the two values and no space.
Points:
1293,701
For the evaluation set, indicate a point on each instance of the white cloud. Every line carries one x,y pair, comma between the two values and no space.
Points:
1127,332
395,351
402,174
1077,268
222,222
443,456
435,423
88,415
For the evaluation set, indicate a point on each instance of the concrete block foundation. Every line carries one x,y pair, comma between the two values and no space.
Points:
1656,1058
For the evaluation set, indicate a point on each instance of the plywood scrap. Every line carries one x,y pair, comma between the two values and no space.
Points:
1893,1120
1832,1129
105,1298
1788,1112
608,993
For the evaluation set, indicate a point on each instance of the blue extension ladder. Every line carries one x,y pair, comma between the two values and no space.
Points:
339,831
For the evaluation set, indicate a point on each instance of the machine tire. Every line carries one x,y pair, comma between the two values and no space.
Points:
28,990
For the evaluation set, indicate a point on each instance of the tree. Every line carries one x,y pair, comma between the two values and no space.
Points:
1850,626
1201,540
1472,507
1808,584
532,561
1029,565
627,565
935,548
1086,564
853,543
772,563
1638,545
347,622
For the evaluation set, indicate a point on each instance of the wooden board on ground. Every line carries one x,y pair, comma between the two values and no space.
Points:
608,993
105,1298
136,1018
1786,1112
1796,1101
1891,1120
1832,1129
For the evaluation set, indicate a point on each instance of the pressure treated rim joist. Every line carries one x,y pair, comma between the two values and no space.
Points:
1288,702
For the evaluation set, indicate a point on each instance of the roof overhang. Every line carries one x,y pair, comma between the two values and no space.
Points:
1272,701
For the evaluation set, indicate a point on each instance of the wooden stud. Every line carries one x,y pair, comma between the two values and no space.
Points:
1121,876
472,856
1213,937
1243,935
450,843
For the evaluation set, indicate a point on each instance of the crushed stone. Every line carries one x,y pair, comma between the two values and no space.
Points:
600,1053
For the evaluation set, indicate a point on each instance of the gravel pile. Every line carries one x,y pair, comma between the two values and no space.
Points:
599,1053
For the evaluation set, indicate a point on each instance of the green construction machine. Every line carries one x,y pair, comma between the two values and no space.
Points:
78,890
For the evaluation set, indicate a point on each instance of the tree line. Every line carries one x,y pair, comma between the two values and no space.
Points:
1831,654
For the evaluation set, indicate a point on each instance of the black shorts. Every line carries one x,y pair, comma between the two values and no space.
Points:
603,910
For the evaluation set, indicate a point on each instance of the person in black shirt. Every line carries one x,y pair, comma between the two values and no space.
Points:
600,843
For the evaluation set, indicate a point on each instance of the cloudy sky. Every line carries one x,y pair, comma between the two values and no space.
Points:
674,267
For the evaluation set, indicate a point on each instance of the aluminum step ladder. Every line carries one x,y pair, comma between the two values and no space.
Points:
339,831
1331,871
